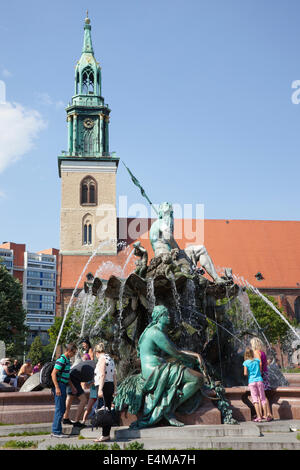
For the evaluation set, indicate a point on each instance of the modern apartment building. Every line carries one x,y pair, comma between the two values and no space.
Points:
38,274
7,258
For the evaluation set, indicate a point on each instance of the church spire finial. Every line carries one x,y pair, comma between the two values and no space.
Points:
87,20
87,42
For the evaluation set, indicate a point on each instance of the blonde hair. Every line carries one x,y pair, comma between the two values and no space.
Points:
249,354
257,344
100,348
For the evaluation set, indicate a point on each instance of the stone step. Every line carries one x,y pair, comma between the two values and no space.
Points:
285,442
185,432
279,426
269,436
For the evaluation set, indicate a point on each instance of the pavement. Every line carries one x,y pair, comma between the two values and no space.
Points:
274,435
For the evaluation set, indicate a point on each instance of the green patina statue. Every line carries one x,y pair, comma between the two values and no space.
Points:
163,242
168,380
141,264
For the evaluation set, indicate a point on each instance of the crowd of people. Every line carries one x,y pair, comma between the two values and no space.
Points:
69,382
96,373
15,374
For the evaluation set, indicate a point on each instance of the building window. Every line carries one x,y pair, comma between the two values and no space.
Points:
87,81
87,229
87,234
47,275
88,191
88,142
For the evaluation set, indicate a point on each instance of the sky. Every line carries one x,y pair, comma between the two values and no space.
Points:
203,109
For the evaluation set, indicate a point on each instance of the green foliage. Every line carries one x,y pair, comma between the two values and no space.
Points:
27,433
270,322
115,446
96,446
12,314
134,446
20,444
36,350
47,353
274,327
54,330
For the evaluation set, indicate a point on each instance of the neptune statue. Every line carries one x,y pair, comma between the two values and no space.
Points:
163,242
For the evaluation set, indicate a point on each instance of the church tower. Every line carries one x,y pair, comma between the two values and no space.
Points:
88,169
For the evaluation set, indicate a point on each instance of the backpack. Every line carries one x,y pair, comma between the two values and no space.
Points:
45,374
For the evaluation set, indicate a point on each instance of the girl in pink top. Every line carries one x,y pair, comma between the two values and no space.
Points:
259,352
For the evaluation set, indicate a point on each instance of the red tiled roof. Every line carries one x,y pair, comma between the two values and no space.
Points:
247,246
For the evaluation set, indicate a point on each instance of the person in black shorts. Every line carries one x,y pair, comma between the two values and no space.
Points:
80,373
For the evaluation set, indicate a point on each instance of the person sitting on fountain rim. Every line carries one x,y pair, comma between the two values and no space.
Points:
252,369
26,370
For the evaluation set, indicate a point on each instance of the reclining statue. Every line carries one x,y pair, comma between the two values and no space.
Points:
163,241
162,387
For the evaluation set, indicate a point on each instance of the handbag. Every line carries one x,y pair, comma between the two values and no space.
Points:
104,417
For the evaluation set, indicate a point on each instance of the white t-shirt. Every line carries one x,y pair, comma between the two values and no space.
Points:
109,370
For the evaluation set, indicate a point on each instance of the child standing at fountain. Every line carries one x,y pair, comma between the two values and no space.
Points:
259,352
252,369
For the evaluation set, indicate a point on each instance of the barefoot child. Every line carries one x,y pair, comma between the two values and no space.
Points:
252,369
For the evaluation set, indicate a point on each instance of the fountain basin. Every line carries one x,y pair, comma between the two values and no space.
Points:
38,407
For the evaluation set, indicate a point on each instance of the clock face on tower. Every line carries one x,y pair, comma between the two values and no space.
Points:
88,123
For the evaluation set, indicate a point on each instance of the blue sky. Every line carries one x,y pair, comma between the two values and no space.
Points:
201,100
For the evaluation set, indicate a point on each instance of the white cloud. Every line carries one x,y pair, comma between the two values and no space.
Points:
2,195
6,73
19,128
46,100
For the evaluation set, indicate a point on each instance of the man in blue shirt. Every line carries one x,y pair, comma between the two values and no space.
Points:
61,379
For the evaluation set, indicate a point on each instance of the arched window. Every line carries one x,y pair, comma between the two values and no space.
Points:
77,83
87,81
88,191
84,194
88,142
87,230
297,309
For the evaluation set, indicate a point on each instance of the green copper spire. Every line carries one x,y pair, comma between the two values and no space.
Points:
87,42
87,114
88,70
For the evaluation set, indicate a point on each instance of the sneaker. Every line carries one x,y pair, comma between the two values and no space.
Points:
59,435
67,421
78,424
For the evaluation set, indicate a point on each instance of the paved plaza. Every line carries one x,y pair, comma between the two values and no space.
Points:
275,435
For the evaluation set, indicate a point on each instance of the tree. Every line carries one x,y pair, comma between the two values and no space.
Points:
12,314
274,327
36,351
55,328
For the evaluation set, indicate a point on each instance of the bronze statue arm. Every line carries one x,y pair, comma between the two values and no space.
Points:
164,343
